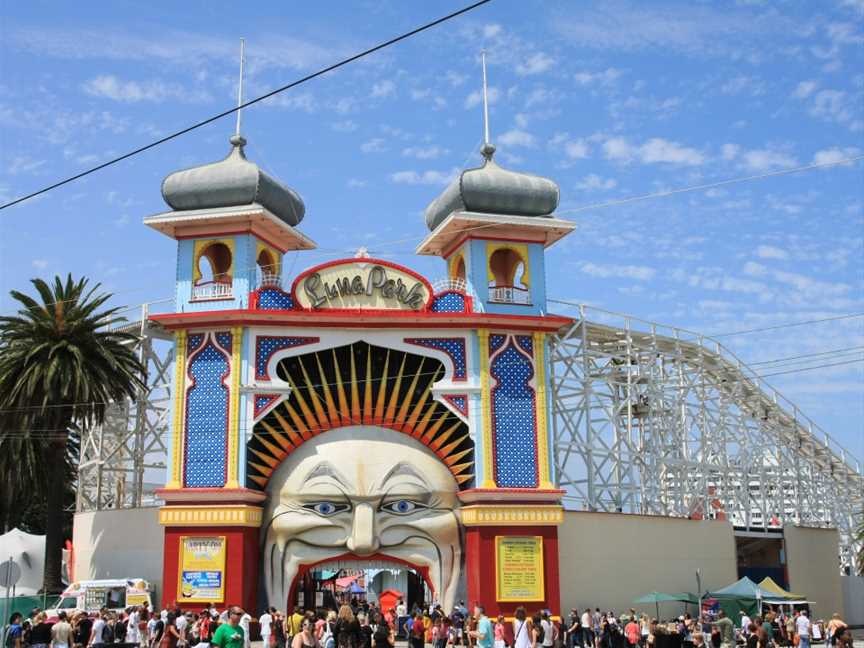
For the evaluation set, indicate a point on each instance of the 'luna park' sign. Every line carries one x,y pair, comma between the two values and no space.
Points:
366,284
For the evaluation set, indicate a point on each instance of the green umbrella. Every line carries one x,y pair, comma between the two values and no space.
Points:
657,598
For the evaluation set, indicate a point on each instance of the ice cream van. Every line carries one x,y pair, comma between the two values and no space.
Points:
114,593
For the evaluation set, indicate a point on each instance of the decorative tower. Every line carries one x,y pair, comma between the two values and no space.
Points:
492,227
233,223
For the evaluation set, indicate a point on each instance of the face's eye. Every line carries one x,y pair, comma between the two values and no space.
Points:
327,508
402,507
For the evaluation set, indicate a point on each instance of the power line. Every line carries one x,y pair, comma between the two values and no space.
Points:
711,185
780,326
272,93
843,351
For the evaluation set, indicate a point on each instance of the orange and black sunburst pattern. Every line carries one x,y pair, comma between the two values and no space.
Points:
359,384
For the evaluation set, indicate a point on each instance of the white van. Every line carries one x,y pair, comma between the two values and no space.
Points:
116,594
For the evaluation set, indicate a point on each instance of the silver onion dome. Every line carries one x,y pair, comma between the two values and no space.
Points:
232,182
494,190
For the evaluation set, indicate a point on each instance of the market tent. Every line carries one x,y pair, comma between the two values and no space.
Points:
744,595
345,581
657,598
743,589
355,588
769,584
28,551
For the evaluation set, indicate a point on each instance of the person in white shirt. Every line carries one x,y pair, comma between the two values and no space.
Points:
587,629
745,622
132,635
96,638
548,630
180,623
802,627
244,623
266,623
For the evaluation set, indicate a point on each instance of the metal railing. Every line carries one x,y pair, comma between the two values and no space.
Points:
212,290
509,295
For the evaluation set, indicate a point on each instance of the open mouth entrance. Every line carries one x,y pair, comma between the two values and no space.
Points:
385,581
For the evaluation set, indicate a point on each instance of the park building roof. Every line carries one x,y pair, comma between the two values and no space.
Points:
492,189
233,181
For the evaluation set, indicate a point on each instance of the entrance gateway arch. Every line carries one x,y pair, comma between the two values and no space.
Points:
356,414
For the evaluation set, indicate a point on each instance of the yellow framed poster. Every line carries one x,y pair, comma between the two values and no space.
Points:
519,568
202,569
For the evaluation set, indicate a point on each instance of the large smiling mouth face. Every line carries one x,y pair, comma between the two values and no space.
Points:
364,492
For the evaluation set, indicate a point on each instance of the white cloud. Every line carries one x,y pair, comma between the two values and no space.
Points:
346,126
805,88
692,28
426,177
110,87
729,151
835,155
476,97
536,64
576,149
374,145
491,30
455,78
424,152
382,89
606,77
515,137
356,183
638,273
593,182
837,106
771,252
39,264
767,160
23,164
655,150
741,84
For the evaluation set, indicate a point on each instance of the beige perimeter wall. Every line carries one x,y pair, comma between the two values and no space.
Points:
119,544
812,563
608,559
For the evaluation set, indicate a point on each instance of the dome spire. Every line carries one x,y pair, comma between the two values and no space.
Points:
487,150
238,139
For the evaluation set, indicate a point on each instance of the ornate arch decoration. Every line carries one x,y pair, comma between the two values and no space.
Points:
359,384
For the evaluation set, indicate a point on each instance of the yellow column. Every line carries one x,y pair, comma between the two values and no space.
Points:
486,411
234,407
177,429
542,421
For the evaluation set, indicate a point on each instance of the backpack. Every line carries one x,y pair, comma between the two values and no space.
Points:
327,636
108,634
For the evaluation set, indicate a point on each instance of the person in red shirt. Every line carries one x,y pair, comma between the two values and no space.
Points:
632,632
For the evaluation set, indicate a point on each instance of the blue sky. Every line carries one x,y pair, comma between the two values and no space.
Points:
611,99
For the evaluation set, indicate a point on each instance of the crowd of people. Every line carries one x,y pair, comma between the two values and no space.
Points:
361,624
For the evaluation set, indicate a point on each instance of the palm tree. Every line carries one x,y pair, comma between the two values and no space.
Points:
60,366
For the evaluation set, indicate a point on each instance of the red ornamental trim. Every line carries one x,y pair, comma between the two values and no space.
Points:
381,262
366,318
450,398
272,398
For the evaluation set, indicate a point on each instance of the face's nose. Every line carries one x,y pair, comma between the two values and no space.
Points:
363,540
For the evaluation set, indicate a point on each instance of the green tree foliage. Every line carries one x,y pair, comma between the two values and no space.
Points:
60,366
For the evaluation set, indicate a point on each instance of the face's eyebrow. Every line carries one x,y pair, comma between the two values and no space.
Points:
406,469
326,469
